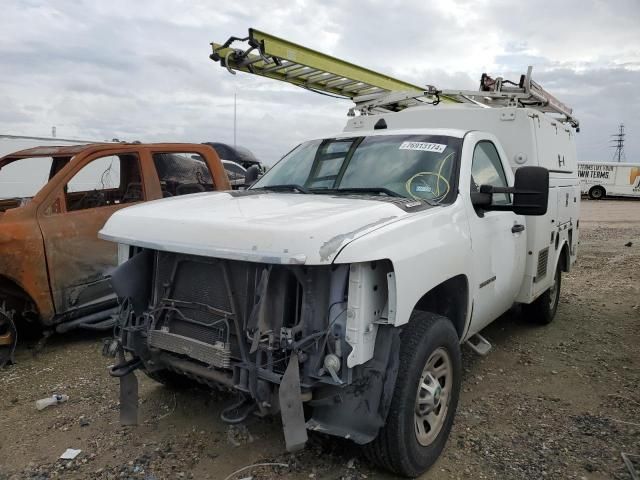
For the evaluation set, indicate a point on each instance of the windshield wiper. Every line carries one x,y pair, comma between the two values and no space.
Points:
293,187
386,191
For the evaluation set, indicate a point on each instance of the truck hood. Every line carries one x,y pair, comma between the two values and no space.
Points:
266,227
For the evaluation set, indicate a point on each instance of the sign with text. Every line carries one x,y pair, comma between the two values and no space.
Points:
601,174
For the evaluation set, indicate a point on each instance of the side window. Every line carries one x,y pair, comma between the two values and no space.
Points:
486,169
234,168
182,173
234,171
105,181
24,177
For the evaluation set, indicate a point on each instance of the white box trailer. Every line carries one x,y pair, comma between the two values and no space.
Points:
613,179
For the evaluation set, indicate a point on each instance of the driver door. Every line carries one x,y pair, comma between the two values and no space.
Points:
77,259
498,237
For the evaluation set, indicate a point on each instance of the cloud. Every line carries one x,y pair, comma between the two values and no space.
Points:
140,70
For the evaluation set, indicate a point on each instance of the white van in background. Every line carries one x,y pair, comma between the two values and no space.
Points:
599,180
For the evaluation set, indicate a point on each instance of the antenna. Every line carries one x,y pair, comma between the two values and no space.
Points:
618,144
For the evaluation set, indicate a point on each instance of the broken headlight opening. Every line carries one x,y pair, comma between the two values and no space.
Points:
275,334
123,253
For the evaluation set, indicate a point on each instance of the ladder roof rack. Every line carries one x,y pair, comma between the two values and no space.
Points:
273,57
492,93
373,92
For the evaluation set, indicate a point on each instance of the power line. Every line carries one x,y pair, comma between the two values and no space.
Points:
618,144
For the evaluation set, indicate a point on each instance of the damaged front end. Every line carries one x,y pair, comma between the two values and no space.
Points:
279,335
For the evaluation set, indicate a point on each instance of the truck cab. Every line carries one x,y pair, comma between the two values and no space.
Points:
53,201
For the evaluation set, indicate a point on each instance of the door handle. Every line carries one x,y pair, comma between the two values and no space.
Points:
517,228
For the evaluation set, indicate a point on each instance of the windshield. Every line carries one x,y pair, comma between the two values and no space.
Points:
421,167
23,178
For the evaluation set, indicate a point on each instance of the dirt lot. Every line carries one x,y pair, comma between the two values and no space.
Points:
557,402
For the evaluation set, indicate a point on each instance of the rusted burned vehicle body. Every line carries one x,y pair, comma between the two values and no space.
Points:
53,201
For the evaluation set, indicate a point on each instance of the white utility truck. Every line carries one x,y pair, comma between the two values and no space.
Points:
614,179
347,278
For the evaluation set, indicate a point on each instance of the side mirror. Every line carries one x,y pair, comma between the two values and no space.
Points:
530,193
251,175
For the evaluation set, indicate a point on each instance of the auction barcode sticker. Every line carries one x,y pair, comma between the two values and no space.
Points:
423,146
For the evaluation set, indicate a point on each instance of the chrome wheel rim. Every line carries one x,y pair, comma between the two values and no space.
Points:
433,396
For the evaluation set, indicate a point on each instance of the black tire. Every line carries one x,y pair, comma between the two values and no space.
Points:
597,193
397,447
8,337
543,309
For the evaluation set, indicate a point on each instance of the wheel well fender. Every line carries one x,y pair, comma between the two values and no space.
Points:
564,259
16,296
449,299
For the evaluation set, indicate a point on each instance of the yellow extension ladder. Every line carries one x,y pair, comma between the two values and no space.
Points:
372,92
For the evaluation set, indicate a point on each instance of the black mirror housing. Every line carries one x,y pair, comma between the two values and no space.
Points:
252,174
481,200
531,191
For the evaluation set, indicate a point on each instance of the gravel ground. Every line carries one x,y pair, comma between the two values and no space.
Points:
556,402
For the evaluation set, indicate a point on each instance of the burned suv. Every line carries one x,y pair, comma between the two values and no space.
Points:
53,200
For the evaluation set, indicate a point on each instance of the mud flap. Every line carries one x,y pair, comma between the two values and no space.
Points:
125,371
129,399
293,424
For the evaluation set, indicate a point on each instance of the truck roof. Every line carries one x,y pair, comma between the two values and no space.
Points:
449,132
463,117
68,150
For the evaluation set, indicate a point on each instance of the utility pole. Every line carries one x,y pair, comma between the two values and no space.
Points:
618,144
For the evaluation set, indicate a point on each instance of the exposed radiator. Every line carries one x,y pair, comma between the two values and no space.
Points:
217,354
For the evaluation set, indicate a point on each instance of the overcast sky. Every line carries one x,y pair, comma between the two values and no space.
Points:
140,70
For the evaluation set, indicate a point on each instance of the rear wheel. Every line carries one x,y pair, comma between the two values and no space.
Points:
597,193
543,309
8,337
424,400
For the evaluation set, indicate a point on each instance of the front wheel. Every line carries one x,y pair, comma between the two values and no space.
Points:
543,309
424,400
